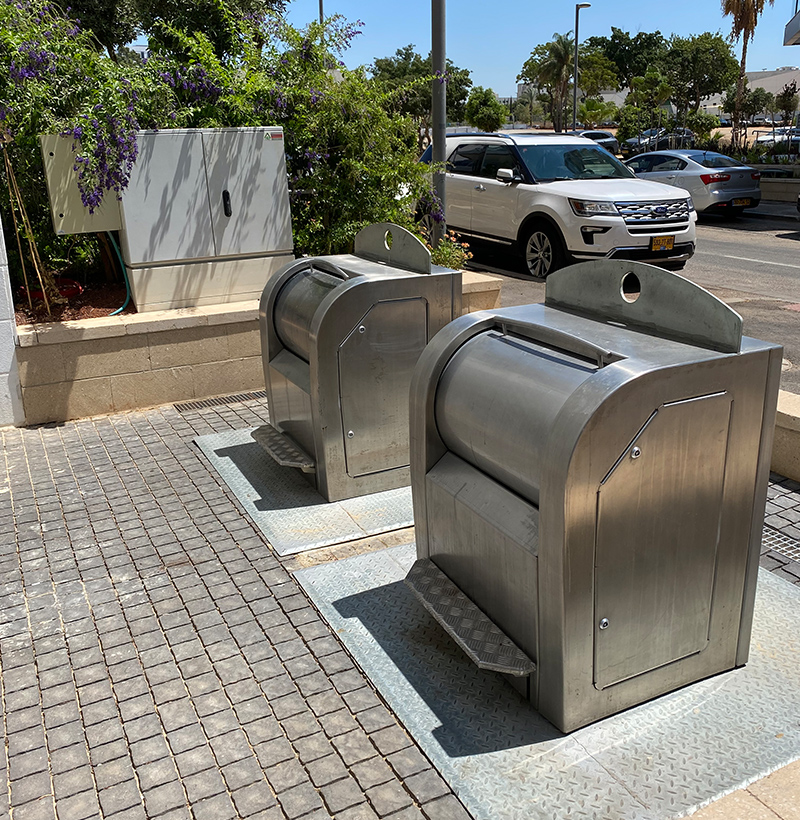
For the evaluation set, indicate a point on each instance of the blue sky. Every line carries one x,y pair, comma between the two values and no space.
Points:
493,39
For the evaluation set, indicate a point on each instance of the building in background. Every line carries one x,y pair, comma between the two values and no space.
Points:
791,34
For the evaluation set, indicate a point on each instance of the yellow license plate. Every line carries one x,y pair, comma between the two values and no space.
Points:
662,243
740,203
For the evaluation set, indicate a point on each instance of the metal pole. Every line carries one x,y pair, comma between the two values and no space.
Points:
321,16
439,105
578,7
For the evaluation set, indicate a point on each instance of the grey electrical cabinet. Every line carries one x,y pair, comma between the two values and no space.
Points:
66,208
205,217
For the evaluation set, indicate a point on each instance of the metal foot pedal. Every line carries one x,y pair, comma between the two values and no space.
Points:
282,449
482,640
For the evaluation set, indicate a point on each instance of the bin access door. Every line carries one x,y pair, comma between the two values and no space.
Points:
658,517
376,363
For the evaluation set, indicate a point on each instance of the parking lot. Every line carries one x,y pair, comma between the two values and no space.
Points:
750,262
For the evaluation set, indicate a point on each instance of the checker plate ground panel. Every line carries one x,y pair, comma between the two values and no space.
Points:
290,513
659,760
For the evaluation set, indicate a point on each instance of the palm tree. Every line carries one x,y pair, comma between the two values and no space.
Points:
555,71
592,112
744,14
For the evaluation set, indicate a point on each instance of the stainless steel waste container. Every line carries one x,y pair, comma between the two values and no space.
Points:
340,336
589,479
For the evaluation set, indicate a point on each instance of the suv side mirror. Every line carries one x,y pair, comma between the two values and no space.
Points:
507,175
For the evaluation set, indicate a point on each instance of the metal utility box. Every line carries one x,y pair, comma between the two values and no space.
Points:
589,481
204,219
340,336
66,208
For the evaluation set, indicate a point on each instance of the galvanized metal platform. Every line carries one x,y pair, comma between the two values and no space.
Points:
290,513
656,761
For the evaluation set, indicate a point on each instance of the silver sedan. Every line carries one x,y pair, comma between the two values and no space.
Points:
716,182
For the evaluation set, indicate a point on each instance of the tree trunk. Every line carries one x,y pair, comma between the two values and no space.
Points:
736,133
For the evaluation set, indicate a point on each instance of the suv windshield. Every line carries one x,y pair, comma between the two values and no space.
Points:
549,163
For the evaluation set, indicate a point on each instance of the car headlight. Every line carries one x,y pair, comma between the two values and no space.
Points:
587,207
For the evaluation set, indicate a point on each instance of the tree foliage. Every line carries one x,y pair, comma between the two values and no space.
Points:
786,101
483,110
114,23
631,55
751,101
697,67
700,123
411,75
529,107
349,153
596,73
650,92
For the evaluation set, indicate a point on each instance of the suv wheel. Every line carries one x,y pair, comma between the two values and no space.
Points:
541,251
426,221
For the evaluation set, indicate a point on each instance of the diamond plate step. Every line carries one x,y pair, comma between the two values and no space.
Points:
481,639
282,449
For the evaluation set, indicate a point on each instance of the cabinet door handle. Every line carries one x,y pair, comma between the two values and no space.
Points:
226,203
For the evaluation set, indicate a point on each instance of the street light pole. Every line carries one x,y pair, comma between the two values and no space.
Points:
439,106
320,12
578,7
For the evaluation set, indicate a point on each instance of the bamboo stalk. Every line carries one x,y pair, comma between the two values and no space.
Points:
37,262
16,228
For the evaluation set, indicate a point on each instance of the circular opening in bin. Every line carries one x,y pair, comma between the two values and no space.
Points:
387,240
630,288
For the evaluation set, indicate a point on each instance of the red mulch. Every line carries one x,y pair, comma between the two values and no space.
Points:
95,301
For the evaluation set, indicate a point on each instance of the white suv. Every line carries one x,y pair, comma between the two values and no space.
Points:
559,199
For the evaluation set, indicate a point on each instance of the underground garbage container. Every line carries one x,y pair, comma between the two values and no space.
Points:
340,336
589,479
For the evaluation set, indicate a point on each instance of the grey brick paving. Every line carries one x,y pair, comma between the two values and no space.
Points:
159,661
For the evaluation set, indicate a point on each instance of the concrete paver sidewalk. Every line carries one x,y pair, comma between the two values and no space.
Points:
158,661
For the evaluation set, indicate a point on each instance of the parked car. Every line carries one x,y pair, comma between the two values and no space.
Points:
798,206
608,141
777,135
715,181
557,199
657,139
645,141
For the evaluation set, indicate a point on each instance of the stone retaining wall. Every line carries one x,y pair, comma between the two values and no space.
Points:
73,370
781,190
786,449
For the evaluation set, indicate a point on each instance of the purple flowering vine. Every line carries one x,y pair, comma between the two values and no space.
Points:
193,82
105,150
32,62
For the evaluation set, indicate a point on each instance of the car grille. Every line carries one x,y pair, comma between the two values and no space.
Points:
636,213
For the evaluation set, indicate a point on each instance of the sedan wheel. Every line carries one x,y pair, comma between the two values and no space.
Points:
542,252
